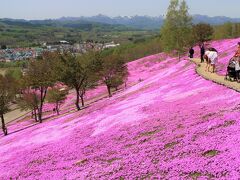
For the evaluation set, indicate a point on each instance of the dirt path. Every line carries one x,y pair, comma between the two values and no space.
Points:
214,77
15,114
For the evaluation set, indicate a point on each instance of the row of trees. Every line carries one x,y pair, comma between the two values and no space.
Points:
179,33
51,77
227,30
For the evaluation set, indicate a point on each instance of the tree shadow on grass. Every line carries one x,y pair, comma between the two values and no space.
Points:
53,117
29,126
19,130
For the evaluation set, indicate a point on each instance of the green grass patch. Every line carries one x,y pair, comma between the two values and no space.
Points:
207,116
155,161
180,126
39,161
110,161
149,133
229,123
195,175
129,145
170,145
211,153
81,162
224,125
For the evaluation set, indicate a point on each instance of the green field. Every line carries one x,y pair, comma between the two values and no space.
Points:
2,71
30,34
13,70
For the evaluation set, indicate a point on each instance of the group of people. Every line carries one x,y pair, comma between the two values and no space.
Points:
210,55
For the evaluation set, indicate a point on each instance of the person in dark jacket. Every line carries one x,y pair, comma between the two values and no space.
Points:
191,52
202,51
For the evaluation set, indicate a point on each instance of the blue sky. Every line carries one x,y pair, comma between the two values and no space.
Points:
42,9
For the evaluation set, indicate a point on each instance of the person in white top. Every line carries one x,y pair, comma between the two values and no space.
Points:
212,58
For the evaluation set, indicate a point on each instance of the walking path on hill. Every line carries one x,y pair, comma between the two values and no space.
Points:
200,69
15,114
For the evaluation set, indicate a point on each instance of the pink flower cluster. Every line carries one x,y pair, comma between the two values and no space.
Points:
168,124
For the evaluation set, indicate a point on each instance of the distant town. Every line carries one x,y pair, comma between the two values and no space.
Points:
18,54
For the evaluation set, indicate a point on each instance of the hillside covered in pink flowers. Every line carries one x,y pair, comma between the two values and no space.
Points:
169,123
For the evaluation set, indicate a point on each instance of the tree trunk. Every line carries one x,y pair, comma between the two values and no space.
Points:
77,100
40,114
4,128
35,115
82,99
109,91
42,97
57,108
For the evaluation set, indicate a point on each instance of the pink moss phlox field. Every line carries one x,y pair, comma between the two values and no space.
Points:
169,123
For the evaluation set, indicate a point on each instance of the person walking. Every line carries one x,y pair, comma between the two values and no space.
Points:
191,52
202,52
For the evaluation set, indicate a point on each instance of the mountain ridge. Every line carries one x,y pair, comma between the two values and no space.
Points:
137,21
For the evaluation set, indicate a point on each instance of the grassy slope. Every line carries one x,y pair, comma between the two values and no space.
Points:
172,124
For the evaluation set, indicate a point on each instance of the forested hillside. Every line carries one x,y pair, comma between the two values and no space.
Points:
32,33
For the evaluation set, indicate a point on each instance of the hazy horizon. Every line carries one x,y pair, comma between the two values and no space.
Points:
44,9
103,15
